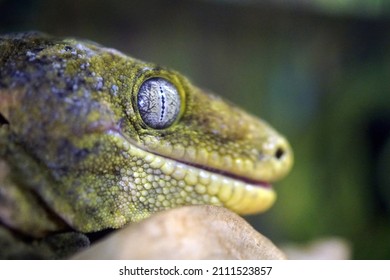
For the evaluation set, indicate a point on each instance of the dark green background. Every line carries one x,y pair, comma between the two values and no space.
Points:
319,73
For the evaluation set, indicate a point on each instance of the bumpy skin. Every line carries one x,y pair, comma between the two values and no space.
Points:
75,151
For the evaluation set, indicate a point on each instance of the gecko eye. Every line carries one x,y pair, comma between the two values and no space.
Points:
158,103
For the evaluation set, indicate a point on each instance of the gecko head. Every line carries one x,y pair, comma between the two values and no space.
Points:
225,154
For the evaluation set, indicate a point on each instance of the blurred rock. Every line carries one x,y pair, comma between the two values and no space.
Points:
331,248
193,232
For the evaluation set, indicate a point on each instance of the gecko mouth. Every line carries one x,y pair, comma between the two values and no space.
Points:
231,175
202,184
237,193
221,172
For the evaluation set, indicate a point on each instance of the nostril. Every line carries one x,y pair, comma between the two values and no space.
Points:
279,153
3,120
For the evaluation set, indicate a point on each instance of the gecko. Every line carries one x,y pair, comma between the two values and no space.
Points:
91,139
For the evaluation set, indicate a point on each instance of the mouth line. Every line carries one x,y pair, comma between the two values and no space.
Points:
228,174
246,180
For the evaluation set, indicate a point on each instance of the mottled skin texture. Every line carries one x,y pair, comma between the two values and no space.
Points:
76,153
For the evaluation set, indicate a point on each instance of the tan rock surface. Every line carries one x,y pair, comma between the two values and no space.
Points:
193,232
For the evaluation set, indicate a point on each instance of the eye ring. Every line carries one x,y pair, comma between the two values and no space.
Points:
158,102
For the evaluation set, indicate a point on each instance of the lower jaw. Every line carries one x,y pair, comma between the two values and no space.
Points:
245,198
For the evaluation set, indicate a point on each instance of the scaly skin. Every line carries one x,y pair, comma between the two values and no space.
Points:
75,149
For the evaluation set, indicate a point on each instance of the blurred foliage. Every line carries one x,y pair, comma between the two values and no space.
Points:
361,8
318,71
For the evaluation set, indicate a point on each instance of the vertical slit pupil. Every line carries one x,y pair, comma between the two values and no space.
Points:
162,104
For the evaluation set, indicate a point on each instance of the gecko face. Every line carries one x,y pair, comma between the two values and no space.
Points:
104,139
